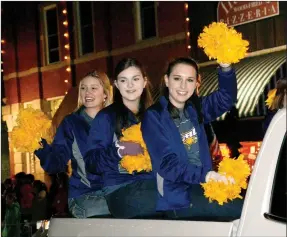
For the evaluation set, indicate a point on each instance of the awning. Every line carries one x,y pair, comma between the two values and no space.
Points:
253,74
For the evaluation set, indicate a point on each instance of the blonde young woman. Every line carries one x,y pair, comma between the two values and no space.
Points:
85,196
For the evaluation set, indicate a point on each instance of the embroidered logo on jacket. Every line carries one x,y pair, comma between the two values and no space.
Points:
189,138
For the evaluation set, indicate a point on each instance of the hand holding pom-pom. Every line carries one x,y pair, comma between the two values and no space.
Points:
136,157
226,184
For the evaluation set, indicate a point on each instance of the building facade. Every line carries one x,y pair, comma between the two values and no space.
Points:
48,47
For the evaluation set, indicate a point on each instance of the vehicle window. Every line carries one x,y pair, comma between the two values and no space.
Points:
278,197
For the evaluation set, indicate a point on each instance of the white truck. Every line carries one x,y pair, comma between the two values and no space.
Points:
263,214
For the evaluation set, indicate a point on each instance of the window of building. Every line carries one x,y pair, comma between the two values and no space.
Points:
51,34
85,26
146,17
279,195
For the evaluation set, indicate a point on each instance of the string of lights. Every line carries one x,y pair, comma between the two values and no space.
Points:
187,20
67,46
2,52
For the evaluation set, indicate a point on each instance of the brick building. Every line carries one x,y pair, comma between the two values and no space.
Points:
47,47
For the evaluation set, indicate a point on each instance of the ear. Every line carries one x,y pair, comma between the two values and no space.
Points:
198,82
166,80
116,84
145,81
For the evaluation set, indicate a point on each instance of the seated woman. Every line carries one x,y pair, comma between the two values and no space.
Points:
128,195
85,190
173,130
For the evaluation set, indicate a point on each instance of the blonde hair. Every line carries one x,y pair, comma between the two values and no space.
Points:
105,83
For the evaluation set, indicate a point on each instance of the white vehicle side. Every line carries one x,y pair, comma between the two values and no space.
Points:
252,221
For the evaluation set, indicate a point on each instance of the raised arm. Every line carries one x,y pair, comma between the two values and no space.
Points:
54,157
220,101
164,160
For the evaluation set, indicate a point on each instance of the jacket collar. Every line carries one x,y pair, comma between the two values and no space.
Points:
192,113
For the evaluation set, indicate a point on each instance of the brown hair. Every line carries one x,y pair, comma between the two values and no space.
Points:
281,92
146,100
194,100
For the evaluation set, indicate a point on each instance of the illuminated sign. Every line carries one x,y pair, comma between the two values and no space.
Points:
241,12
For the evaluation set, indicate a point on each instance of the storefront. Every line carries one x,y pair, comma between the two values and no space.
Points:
256,75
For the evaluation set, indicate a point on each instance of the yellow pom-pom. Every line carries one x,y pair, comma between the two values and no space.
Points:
140,162
236,168
32,125
222,43
270,98
221,192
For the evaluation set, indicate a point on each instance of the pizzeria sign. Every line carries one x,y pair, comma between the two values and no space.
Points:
235,13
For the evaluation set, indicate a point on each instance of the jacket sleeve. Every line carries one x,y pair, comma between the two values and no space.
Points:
165,161
54,157
102,154
220,101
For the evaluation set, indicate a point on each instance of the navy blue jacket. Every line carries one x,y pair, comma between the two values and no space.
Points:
70,142
102,157
170,161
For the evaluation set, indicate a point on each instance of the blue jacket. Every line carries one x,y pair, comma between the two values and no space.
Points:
170,162
102,157
70,143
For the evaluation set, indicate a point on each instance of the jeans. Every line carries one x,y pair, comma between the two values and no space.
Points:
137,199
88,205
202,209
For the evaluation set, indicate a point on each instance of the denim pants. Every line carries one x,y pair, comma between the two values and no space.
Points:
135,200
88,205
202,209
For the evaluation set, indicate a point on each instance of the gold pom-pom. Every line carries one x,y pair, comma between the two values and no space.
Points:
222,43
140,162
270,98
32,125
221,192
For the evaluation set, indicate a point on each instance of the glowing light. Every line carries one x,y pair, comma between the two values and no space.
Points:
66,35
64,11
186,6
3,41
2,70
189,47
66,81
68,69
67,46
187,19
188,33
66,92
65,23
2,51
66,57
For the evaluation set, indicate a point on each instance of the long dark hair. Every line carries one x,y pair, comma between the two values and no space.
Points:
122,111
278,101
194,100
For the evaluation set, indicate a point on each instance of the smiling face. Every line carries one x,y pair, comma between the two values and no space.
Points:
181,84
130,82
92,93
